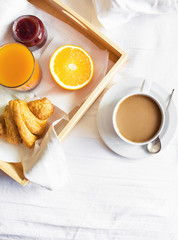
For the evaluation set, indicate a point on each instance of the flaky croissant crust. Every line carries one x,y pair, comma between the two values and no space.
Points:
25,122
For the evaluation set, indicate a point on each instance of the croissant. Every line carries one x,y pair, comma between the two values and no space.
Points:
41,108
12,134
25,122
2,126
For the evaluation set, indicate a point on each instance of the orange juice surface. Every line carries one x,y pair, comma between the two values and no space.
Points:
18,67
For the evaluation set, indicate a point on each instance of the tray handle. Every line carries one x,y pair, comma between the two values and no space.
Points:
15,171
74,18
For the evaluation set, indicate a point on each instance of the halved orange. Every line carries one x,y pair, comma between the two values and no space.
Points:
71,67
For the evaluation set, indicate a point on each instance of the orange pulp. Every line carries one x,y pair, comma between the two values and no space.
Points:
71,67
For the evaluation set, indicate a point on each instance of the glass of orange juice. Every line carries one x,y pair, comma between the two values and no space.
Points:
19,69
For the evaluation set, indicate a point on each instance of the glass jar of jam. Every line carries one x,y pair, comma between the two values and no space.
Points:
30,31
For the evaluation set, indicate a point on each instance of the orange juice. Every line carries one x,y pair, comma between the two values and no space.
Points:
18,67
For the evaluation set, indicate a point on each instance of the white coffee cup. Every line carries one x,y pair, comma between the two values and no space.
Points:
144,91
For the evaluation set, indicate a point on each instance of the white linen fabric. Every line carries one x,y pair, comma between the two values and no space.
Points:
112,13
108,197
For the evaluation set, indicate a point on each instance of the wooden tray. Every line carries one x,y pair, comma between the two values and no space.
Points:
117,55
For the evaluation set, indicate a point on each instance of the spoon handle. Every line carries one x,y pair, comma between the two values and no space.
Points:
169,101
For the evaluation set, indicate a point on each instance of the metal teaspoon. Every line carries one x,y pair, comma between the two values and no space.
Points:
155,145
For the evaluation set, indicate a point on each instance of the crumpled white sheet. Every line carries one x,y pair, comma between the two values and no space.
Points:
112,13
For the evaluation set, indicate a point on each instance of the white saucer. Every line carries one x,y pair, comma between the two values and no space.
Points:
106,108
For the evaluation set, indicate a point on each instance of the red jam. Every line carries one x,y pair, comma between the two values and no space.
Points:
30,31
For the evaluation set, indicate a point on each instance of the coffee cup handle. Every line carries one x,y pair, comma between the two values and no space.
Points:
145,87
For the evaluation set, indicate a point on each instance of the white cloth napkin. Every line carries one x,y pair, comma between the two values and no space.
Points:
47,158
112,13
45,164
